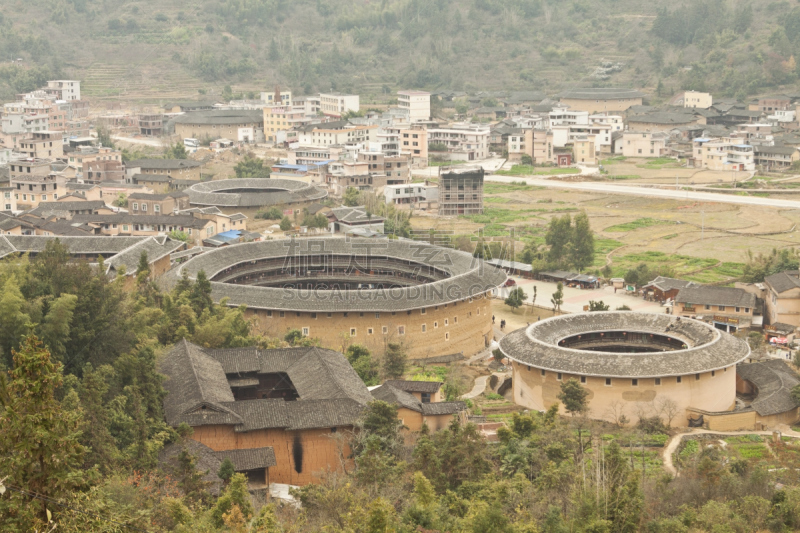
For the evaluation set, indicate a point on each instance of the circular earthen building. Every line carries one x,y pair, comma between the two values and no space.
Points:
253,192
632,364
434,301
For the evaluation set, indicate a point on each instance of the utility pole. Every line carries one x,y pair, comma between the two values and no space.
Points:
702,224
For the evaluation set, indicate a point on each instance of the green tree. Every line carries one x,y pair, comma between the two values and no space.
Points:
558,297
285,224
526,160
235,494
104,138
55,327
122,200
394,360
598,306
352,197
558,237
516,298
226,470
13,318
176,151
200,294
582,242
251,167
574,397
362,362
143,268
178,235
39,441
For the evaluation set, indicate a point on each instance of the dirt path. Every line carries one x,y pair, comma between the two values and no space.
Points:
675,441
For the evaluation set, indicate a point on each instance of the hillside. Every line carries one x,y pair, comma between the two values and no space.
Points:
150,50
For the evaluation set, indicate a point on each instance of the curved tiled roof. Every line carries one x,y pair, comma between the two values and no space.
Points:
774,381
708,348
288,192
467,276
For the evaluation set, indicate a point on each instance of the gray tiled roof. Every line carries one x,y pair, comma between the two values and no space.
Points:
221,116
774,381
601,93
708,348
775,150
199,388
726,296
186,221
415,386
194,380
75,245
281,191
784,281
354,215
249,459
443,408
163,164
154,247
667,284
467,276
663,117
46,209
160,178
146,196
392,395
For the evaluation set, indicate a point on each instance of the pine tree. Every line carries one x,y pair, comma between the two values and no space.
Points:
38,442
394,362
200,295
144,264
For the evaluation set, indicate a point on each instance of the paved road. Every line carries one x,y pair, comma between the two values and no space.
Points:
156,143
605,188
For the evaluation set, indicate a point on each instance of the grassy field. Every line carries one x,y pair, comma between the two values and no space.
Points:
638,224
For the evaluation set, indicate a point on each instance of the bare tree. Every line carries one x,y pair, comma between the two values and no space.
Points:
642,410
616,412
667,408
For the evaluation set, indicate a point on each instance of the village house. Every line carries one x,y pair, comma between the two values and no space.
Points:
643,144
584,149
224,222
299,402
33,182
415,104
727,308
157,204
338,104
727,153
460,142
600,100
151,124
280,122
775,156
42,145
179,169
410,193
782,298
69,208
246,126
339,132
117,224
158,183
697,100
353,219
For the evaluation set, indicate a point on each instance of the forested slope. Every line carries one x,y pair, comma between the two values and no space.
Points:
151,49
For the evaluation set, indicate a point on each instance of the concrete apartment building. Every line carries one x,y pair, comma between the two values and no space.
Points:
584,149
277,97
151,124
417,104
536,143
411,193
246,126
463,142
414,143
42,145
728,153
770,104
395,168
461,193
564,135
64,89
615,122
338,132
643,144
40,185
697,100
179,169
14,127
311,155
337,104
279,120
561,116
600,100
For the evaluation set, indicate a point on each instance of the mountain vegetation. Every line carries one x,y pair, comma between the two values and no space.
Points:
122,47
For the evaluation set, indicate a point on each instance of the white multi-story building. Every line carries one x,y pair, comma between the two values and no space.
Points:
563,135
410,193
64,89
726,153
338,104
269,97
614,121
643,143
464,142
416,103
566,117
326,135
